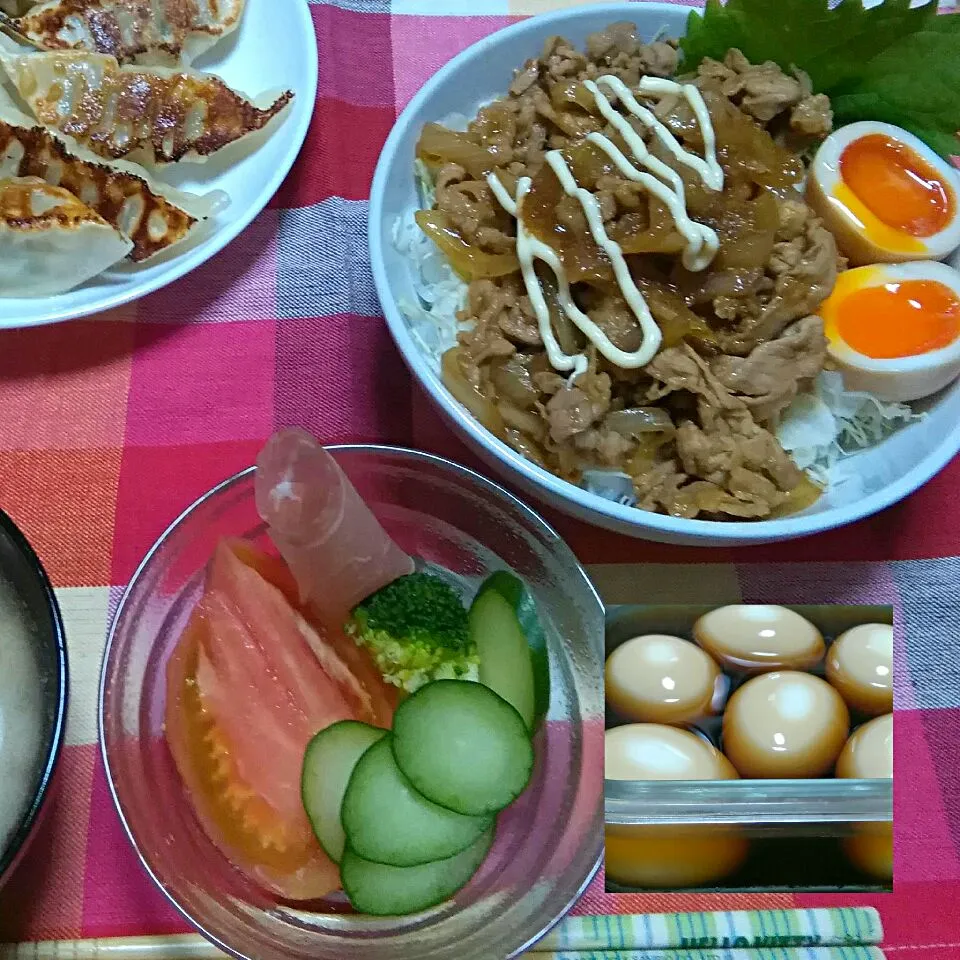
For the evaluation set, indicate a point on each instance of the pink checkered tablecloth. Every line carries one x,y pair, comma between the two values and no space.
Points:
110,426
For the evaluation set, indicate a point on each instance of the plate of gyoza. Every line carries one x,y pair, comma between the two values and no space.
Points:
137,139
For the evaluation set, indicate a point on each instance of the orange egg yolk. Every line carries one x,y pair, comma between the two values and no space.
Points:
901,319
897,185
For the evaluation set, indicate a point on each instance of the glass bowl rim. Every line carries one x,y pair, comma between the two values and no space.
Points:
489,488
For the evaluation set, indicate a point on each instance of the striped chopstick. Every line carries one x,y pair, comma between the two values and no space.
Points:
819,934
758,953
193,947
719,929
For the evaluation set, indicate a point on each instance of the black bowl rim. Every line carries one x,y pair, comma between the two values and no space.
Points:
17,845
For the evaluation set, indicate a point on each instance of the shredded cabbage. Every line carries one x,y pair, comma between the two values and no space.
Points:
825,426
440,292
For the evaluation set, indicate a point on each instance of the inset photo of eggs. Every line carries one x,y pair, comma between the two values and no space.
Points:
749,747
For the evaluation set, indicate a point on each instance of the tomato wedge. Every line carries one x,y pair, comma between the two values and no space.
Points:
269,566
383,697
281,854
249,683
239,571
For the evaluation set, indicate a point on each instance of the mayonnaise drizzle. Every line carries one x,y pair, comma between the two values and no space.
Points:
711,173
701,242
648,326
529,249
637,146
709,170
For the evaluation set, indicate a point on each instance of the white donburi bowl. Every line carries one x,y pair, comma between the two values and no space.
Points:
887,473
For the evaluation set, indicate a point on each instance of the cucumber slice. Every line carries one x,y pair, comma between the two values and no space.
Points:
462,746
497,659
388,822
382,890
506,666
327,765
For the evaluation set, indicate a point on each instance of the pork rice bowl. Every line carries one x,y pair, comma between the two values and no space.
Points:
619,274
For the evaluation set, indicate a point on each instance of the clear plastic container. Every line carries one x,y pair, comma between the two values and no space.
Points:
744,835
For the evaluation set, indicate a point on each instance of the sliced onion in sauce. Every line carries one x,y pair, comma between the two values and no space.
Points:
647,452
639,420
467,394
469,262
439,145
676,320
564,328
567,93
805,494
747,233
512,379
522,420
526,446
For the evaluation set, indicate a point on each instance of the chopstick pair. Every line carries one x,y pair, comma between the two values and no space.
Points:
193,947
818,934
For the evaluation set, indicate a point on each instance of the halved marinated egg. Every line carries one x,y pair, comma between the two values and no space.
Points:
893,329
885,195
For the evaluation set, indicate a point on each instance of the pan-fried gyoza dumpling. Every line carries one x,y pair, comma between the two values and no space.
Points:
153,215
154,32
50,242
150,115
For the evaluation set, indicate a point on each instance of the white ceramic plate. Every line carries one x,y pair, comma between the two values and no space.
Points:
274,48
886,473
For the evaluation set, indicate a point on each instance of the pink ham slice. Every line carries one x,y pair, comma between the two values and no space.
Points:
334,546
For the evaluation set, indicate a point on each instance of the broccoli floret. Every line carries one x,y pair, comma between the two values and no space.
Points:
416,630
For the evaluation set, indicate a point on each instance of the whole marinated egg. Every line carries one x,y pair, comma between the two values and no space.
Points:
654,751
758,637
664,857
787,725
860,666
658,678
868,755
893,329
885,195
